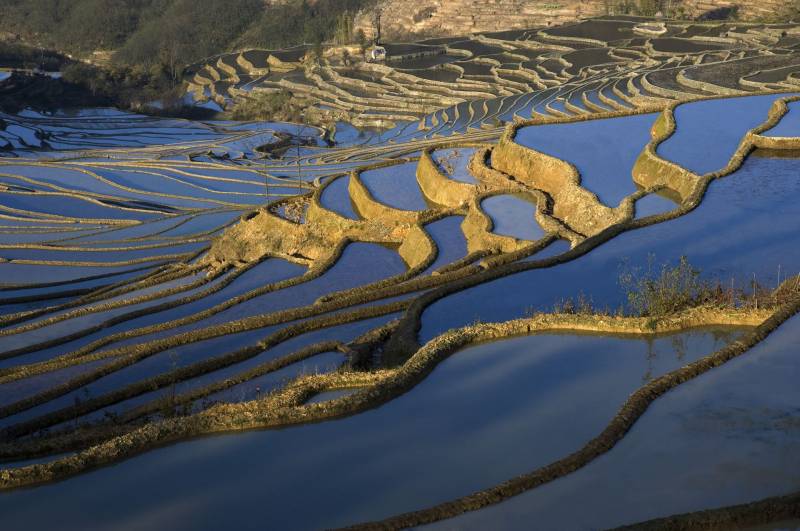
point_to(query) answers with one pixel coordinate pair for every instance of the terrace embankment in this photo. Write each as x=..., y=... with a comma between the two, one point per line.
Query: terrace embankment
x=482, y=80
x=402, y=18
x=262, y=233
x=197, y=364
x=284, y=408
x=576, y=206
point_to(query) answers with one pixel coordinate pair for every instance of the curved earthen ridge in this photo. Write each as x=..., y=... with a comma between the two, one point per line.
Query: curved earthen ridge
x=628, y=68
x=295, y=227
x=493, y=183
x=762, y=512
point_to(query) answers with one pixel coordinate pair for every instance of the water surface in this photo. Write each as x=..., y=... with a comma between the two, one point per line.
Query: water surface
x=476, y=420
x=728, y=437
x=709, y=131
x=513, y=216
x=604, y=151
x=396, y=186
x=745, y=226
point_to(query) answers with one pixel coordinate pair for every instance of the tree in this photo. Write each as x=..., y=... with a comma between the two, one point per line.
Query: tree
x=794, y=10
x=648, y=8
x=344, y=28
x=377, y=22
x=317, y=51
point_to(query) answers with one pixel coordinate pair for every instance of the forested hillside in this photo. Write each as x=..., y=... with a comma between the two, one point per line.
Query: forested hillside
x=171, y=31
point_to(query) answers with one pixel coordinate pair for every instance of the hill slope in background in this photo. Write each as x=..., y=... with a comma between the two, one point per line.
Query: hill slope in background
x=183, y=31
x=158, y=31
x=441, y=18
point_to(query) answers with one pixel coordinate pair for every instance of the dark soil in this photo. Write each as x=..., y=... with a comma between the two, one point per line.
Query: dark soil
x=676, y=45
x=596, y=29
x=43, y=93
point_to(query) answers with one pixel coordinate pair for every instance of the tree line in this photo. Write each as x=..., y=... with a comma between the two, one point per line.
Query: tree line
x=149, y=44
x=174, y=32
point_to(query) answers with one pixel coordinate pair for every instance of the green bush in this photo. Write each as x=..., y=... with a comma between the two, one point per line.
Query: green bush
x=267, y=106
x=177, y=32
x=126, y=86
x=664, y=291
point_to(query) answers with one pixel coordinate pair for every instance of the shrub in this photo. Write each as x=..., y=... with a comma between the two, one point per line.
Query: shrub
x=267, y=106
x=664, y=291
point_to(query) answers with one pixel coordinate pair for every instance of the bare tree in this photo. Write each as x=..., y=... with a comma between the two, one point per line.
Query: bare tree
x=303, y=127
x=377, y=24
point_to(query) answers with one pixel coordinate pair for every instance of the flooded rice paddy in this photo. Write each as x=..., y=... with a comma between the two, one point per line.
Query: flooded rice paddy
x=476, y=419
x=162, y=281
x=717, y=441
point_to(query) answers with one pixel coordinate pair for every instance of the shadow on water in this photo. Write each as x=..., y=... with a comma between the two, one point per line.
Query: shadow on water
x=745, y=227
x=730, y=436
x=476, y=420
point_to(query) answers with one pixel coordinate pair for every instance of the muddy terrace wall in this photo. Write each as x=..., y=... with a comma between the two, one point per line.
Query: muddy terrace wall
x=390, y=384
x=385, y=385
x=748, y=9
x=402, y=18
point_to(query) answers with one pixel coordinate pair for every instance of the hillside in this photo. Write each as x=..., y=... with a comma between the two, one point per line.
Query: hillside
x=170, y=31
x=441, y=18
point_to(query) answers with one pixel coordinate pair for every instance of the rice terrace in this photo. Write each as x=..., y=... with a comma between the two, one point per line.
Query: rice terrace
x=534, y=277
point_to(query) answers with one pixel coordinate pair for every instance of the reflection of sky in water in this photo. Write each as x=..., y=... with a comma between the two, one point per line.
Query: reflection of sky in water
x=336, y=197
x=361, y=263
x=265, y=273
x=728, y=437
x=454, y=162
x=476, y=420
x=513, y=216
x=33, y=274
x=395, y=186
x=653, y=204
x=745, y=225
x=449, y=240
x=709, y=131
x=789, y=124
x=604, y=151
x=261, y=385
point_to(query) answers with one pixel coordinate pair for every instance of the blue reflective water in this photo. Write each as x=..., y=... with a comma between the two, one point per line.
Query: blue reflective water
x=604, y=151
x=653, y=204
x=14, y=274
x=336, y=197
x=396, y=186
x=789, y=126
x=449, y=239
x=709, y=131
x=267, y=272
x=746, y=225
x=454, y=163
x=513, y=216
x=728, y=437
x=260, y=385
x=476, y=420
